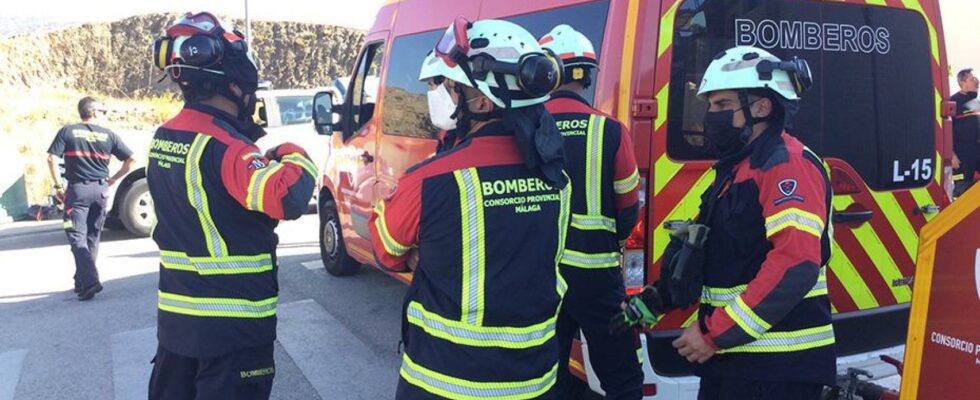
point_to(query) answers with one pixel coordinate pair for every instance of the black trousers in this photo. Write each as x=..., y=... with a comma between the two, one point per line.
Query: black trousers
x=740, y=389
x=593, y=297
x=245, y=374
x=969, y=155
x=85, y=210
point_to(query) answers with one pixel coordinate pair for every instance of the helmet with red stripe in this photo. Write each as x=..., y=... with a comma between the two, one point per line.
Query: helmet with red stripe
x=574, y=48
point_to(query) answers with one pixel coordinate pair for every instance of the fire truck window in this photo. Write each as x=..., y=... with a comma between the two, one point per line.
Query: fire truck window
x=589, y=18
x=872, y=104
x=364, y=90
x=406, y=110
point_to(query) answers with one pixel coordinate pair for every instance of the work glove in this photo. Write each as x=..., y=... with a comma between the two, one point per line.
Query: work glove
x=280, y=151
x=684, y=270
x=641, y=309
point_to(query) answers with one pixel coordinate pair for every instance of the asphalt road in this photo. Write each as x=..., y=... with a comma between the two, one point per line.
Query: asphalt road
x=338, y=337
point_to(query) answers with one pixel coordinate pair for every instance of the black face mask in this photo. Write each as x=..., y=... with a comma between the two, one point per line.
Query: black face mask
x=720, y=137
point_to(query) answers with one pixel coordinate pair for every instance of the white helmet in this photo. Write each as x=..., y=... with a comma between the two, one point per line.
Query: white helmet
x=746, y=67
x=495, y=49
x=571, y=46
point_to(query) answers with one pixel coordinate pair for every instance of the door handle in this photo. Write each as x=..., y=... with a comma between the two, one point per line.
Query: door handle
x=367, y=157
x=852, y=216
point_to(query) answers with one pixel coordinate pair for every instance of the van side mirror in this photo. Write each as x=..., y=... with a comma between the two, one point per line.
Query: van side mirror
x=261, y=116
x=323, y=113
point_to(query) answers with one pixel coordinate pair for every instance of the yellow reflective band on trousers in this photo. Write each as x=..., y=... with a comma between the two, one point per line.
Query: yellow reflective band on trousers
x=303, y=162
x=460, y=389
x=628, y=183
x=721, y=297
x=586, y=260
x=474, y=245
x=199, y=197
x=480, y=336
x=216, y=307
x=256, y=186
x=593, y=165
x=783, y=342
x=794, y=218
x=68, y=224
x=391, y=245
x=593, y=223
x=228, y=265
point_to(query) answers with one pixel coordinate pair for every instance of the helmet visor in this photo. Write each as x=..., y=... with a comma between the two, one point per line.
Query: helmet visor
x=454, y=44
x=192, y=24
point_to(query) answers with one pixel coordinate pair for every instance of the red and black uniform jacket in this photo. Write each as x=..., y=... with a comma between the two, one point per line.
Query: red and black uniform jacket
x=484, y=299
x=600, y=161
x=217, y=201
x=765, y=304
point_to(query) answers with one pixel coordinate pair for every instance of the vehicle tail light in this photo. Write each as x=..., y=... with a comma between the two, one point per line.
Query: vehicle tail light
x=634, y=254
x=842, y=182
x=649, y=390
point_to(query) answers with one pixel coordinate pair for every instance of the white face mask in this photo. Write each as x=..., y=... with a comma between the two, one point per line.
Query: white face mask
x=442, y=108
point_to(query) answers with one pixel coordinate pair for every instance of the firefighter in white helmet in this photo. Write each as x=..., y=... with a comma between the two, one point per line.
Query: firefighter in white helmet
x=755, y=257
x=600, y=161
x=488, y=219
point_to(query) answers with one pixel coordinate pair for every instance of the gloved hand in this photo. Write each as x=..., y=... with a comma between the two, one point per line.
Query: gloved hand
x=685, y=269
x=640, y=309
x=278, y=152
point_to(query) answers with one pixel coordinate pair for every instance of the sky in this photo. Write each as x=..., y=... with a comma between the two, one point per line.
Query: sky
x=961, y=18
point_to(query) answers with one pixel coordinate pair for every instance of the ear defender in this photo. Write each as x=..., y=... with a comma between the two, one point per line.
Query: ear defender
x=162, y=49
x=201, y=51
x=539, y=74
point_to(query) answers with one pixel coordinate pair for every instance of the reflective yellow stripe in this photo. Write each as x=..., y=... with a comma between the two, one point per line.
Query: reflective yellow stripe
x=626, y=66
x=68, y=224
x=563, y=221
x=455, y=388
x=303, y=162
x=585, y=260
x=199, y=197
x=391, y=245
x=480, y=336
x=794, y=218
x=876, y=250
x=593, y=165
x=746, y=318
x=690, y=320
x=848, y=276
x=593, y=223
x=922, y=199
x=627, y=184
x=898, y=220
x=216, y=307
x=256, y=186
x=782, y=342
x=933, y=37
x=721, y=297
x=227, y=265
x=474, y=241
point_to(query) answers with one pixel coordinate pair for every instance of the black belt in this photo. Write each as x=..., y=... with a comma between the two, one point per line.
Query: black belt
x=85, y=182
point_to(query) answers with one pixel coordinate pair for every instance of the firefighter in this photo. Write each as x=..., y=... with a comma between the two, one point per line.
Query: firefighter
x=756, y=255
x=600, y=161
x=487, y=219
x=217, y=201
x=86, y=148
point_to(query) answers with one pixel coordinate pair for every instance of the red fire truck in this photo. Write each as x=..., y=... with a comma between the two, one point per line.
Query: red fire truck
x=876, y=114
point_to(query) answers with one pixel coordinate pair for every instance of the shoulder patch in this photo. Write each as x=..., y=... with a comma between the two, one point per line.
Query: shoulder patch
x=787, y=187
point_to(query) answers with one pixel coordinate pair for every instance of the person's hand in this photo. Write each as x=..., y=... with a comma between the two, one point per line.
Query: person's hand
x=111, y=182
x=692, y=346
x=413, y=259
x=956, y=161
x=60, y=194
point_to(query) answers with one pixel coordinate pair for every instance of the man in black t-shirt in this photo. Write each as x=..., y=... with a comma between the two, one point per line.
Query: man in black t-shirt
x=86, y=148
x=966, y=131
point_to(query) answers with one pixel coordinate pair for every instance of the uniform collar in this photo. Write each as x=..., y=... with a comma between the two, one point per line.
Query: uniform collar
x=221, y=115
x=567, y=94
x=496, y=128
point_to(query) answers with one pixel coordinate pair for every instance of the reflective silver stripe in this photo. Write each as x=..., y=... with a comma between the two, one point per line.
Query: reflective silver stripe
x=627, y=184
x=593, y=165
x=199, y=198
x=474, y=237
x=456, y=388
x=744, y=318
x=257, y=186
x=586, y=260
x=794, y=217
x=216, y=307
x=216, y=265
x=723, y=296
x=479, y=336
x=775, y=342
x=590, y=223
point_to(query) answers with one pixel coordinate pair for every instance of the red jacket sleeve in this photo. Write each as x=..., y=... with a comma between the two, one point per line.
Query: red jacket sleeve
x=394, y=225
x=280, y=189
x=626, y=184
x=793, y=196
